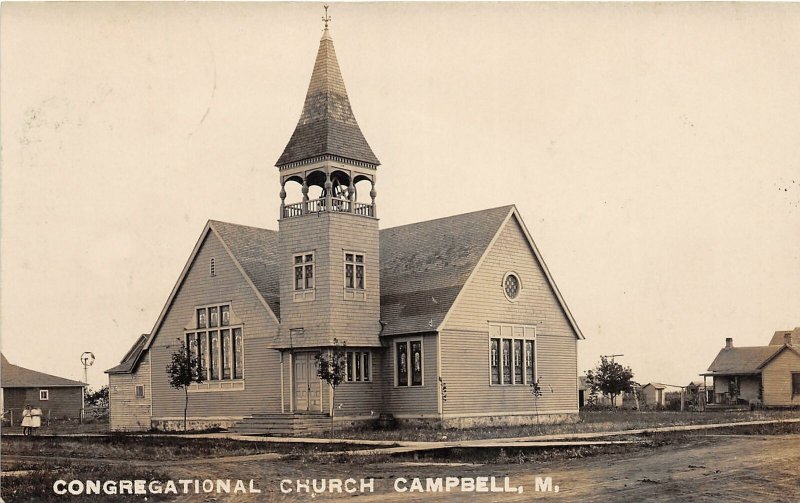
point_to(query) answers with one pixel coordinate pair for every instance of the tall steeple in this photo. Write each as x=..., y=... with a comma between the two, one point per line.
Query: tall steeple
x=327, y=126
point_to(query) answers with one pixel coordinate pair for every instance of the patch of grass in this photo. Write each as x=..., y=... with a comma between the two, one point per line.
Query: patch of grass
x=129, y=447
x=38, y=485
x=589, y=421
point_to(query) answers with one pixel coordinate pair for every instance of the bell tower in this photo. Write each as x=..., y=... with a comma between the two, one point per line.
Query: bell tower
x=328, y=233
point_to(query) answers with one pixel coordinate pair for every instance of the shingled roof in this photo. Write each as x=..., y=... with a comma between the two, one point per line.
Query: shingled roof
x=14, y=376
x=327, y=125
x=745, y=360
x=256, y=250
x=425, y=265
x=780, y=337
x=131, y=358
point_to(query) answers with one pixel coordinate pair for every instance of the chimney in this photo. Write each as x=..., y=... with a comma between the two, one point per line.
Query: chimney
x=728, y=342
x=787, y=338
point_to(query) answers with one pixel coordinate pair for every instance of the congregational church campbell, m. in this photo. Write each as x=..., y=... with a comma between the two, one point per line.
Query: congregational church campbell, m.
x=463, y=302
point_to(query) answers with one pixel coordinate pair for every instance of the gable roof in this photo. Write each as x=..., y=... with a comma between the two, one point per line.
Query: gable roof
x=131, y=358
x=327, y=125
x=14, y=376
x=424, y=266
x=776, y=353
x=256, y=250
x=254, y=253
x=778, y=337
x=744, y=360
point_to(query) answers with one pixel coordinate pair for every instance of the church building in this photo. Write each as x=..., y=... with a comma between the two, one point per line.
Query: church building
x=449, y=320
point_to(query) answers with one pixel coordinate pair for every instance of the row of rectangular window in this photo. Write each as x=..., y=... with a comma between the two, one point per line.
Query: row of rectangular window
x=353, y=271
x=359, y=366
x=512, y=361
x=219, y=352
x=210, y=316
x=409, y=363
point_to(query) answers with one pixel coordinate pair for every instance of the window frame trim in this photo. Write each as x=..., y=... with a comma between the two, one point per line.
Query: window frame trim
x=396, y=371
x=345, y=252
x=46, y=395
x=525, y=337
x=207, y=349
x=351, y=361
x=136, y=392
x=303, y=265
x=792, y=375
x=519, y=286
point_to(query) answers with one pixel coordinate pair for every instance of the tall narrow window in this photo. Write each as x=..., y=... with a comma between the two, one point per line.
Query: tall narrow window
x=402, y=363
x=358, y=365
x=365, y=367
x=354, y=270
x=494, y=360
x=214, y=350
x=795, y=383
x=350, y=367
x=202, y=353
x=506, y=361
x=416, y=363
x=226, y=354
x=304, y=271
x=226, y=315
x=518, y=361
x=201, y=318
x=213, y=316
x=529, y=362
x=238, y=363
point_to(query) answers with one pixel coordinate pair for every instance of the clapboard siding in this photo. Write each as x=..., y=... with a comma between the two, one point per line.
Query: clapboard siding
x=465, y=334
x=363, y=398
x=126, y=411
x=63, y=402
x=412, y=401
x=261, y=364
x=329, y=315
x=777, y=380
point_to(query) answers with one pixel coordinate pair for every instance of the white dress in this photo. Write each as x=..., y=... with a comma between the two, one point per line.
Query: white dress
x=27, y=418
x=36, y=417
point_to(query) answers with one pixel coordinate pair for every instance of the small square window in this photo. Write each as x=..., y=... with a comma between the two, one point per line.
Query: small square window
x=140, y=391
x=44, y=394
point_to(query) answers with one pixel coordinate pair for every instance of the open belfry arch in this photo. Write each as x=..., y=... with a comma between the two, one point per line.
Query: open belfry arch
x=464, y=301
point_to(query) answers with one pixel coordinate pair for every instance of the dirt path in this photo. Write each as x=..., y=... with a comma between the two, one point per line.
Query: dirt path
x=710, y=469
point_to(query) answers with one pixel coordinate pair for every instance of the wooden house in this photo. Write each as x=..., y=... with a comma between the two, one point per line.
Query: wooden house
x=758, y=375
x=445, y=320
x=57, y=397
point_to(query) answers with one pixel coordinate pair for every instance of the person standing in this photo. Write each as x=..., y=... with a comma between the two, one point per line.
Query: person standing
x=27, y=420
x=36, y=419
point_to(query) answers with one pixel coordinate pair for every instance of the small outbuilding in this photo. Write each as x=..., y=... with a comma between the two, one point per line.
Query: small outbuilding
x=656, y=394
x=58, y=397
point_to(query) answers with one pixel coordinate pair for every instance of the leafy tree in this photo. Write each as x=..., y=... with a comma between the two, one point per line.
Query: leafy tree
x=331, y=368
x=97, y=398
x=184, y=369
x=610, y=378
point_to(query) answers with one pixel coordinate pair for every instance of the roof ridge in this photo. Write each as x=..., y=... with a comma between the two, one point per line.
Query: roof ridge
x=241, y=225
x=509, y=206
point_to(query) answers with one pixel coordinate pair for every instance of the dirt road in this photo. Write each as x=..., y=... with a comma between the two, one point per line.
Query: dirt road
x=709, y=469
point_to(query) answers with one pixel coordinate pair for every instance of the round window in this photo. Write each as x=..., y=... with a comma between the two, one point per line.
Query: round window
x=511, y=286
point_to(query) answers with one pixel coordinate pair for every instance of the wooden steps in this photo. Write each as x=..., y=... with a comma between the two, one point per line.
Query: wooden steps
x=286, y=425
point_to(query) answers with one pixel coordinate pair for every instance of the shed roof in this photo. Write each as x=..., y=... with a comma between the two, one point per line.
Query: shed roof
x=14, y=376
x=327, y=125
x=744, y=360
x=131, y=358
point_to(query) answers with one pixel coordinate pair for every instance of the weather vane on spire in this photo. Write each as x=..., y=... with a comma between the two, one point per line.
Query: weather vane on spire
x=326, y=18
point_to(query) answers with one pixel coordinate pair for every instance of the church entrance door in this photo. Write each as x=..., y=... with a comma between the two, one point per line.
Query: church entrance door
x=307, y=386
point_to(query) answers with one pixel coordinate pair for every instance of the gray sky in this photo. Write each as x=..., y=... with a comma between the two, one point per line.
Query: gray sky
x=652, y=151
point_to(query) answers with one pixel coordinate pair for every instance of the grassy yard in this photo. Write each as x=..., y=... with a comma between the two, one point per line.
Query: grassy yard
x=130, y=447
x=37, y=485
x=589, y=421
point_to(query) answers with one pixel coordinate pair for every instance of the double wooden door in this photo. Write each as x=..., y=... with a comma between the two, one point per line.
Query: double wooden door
x=307, y=386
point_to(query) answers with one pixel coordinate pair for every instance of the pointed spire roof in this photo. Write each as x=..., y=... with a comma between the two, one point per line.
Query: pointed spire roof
x=327, y=125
